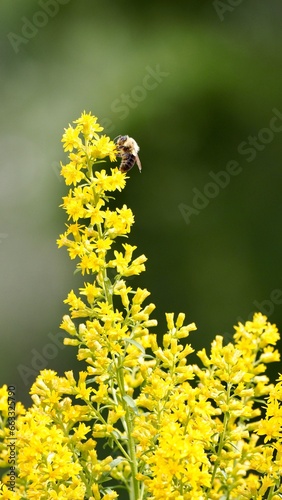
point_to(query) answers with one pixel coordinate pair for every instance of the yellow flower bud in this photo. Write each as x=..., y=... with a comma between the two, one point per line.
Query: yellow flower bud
x=169, y=320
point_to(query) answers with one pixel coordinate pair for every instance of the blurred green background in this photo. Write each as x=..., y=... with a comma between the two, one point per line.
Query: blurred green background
x=198, y=85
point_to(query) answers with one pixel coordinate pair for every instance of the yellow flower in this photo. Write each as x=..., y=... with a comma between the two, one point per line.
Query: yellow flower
x=68, y=325
x=110, y=496
x=4, y=400
x=90, y=262
x=71, y=174
x=104, y=182
x=87, y=124
x=91, y=291
x=74, y=205
x=82, y=391
x=103, y=147
x=71, y=138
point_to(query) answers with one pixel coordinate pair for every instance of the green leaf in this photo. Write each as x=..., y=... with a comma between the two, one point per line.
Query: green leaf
x=117, y=461
x=133, y=342
x=131, y=403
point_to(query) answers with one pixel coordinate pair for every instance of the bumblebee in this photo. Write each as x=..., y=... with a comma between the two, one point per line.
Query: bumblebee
x=128, y=152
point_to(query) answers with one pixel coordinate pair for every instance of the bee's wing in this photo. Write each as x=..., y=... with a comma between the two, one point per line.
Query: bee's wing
x=138, y=163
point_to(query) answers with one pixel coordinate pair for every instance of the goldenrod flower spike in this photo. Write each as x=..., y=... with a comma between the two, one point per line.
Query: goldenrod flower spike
x=138, y=421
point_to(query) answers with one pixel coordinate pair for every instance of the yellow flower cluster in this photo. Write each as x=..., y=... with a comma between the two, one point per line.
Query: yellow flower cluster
x=169, y=429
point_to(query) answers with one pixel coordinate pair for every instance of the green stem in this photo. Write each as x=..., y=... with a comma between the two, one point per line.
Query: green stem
x=271, y=492
x=134, y=491
x=221, y=440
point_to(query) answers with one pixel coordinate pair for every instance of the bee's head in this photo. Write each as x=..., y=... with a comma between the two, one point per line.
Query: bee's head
x=120, y=139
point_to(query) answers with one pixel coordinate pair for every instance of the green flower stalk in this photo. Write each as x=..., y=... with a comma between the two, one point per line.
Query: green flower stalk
x=168, y=429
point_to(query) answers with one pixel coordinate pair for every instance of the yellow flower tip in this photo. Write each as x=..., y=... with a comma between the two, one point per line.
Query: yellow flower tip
x=70, y=378
x=270, y=356
x=71, y=138
x=95, y=491
x=4, y=400
x=185, y=330
x=191, y=327
x=72, y=342
x=110, y=496
x=140, y=295
x=180, y=320
x=170, y=320
x=204, y=358
x=150, y=323
x=88, y=124
x=68, y=325
x=71, y=174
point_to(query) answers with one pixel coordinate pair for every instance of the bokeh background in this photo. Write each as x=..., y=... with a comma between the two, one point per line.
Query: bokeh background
x=198, y=85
